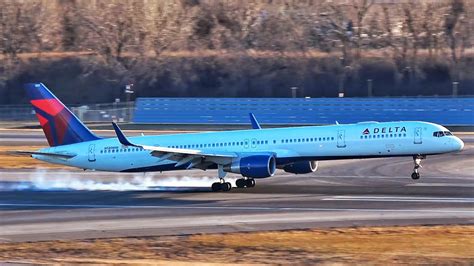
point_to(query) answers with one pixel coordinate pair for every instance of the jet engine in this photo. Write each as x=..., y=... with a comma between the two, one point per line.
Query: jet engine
x=304, y=167
x=254, y=166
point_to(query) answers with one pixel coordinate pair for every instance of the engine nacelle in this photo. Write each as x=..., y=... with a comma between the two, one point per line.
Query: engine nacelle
x=301, y=167
x=254, y=166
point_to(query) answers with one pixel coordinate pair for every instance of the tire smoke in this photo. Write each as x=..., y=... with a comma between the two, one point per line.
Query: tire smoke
x=41, y=180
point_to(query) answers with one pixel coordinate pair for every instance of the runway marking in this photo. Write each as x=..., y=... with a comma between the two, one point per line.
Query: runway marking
x=98, y=206
x=439, y=185
x=399, y=199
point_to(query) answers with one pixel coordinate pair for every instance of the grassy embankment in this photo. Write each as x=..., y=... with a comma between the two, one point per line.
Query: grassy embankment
x=372, y=245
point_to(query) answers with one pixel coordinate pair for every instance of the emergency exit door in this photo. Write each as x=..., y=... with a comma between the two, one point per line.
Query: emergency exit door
x=92, y=153
x=418, y=139
x=341, y=139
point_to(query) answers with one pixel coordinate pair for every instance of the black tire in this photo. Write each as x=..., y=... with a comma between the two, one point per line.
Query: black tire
x=415, y=176
x=216, y=187
x=226, y=186
x=250, y=183
x=240, y=183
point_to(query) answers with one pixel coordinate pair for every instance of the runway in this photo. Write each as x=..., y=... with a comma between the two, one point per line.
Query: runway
x=42, y=205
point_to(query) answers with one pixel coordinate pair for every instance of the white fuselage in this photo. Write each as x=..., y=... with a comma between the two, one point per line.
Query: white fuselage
x=292, y=144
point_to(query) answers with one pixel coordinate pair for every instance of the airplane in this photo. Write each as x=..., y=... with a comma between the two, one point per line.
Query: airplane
x=254, y=153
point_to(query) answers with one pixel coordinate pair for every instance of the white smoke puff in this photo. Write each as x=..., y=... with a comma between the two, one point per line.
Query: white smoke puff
x=43, y=180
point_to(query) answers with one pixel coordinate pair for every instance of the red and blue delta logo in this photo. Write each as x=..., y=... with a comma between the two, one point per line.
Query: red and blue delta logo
x=366, y=132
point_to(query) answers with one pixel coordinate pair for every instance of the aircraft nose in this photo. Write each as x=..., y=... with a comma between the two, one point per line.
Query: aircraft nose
x=458, y=144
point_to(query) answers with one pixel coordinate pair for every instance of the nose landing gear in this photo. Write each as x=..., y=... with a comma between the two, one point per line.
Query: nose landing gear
x=417, y=161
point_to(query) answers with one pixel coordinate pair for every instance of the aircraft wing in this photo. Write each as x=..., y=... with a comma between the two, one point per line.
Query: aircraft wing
x=195, y=158
x=253, y=120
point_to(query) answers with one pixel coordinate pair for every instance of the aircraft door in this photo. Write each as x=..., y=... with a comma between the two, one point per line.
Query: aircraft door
x=92, y=153
x=418, y=139
x=341, y=139
x=254, y=143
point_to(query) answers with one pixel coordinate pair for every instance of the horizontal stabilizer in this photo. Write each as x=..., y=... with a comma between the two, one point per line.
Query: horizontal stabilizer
x=31, y=153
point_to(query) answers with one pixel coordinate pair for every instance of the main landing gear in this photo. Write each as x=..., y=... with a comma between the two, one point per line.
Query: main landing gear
x=222, y=185
x=243, y=182
x=417, y=161
x=226, y=186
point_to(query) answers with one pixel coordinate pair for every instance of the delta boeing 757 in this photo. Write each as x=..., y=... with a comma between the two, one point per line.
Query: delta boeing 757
x=254, y=153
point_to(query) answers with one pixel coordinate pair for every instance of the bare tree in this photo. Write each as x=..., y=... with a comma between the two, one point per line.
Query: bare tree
x=362, y=8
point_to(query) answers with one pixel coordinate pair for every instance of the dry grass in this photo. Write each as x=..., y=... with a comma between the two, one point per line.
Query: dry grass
x=371, y=245
x=8, y=161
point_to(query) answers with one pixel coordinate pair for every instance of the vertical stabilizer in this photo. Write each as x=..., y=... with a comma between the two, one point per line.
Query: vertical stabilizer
x=59, y=124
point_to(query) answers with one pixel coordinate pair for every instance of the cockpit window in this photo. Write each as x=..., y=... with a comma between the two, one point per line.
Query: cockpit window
x=439, y=134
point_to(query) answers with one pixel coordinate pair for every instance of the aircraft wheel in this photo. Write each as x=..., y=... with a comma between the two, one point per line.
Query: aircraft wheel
x=250, y=182
x=226, y=186
x=415, y=176
x=216, y=187
x=241, y=183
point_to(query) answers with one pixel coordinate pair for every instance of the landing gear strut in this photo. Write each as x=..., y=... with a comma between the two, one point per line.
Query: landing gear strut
x=245, y=182
x=221, y=185
x=417, y=161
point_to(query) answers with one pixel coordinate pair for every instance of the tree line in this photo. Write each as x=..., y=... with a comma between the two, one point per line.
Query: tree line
x=90, y=49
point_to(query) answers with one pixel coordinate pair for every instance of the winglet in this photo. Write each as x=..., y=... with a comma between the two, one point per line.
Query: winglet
x=253, y=120
x=121, y=137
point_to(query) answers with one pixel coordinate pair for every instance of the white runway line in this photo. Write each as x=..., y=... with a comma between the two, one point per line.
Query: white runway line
x=243, y=208
x=439, y=185
x=399, y=199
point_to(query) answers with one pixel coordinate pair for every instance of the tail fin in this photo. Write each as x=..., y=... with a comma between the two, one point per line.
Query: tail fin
x=59, y=124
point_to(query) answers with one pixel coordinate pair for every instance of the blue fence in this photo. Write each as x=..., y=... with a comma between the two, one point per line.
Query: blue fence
x=445, y=111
